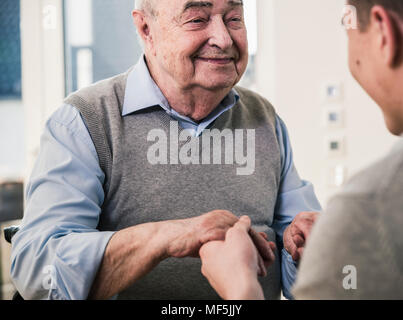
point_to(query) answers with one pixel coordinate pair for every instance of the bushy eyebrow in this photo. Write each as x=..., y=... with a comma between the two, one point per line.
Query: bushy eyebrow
x=208, y=4
x=197, y=4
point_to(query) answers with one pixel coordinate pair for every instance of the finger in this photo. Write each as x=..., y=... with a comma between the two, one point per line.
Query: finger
x=295, y=256
x=262, y=267
x=270, y=261
x=262, y=245
x=266, y=249
x=213, y=235
x=305, y=226
x=208, y=249
x=264, y=235
x=219, y=219
x=300, y=251
x=244, y=223
x=295, y=229
x=290, y=246
x=299, y=241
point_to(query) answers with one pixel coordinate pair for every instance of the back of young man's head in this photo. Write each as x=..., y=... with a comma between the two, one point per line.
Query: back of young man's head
x=376, y=55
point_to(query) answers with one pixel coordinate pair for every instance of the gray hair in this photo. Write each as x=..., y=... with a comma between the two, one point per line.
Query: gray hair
x=144, y=5
x=139, y=4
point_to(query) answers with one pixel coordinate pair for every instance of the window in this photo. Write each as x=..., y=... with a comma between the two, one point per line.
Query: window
x=11, y=111
x=10, y=49
x=248, y=80
x=100, y=40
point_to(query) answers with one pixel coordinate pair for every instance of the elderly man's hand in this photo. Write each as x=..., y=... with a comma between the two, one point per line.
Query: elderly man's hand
x=232, y=266
x=297, y=233
x=188, y=235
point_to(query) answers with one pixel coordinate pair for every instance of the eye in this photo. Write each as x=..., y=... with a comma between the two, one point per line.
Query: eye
x=197, y=21
x=235, y=20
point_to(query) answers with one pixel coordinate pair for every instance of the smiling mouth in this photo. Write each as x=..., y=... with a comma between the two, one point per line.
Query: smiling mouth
x=218, y=61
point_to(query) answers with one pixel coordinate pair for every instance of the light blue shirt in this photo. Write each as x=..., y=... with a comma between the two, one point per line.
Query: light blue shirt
x=57, y=252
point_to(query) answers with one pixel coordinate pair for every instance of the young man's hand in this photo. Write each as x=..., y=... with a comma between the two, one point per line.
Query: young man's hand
x=232, y=266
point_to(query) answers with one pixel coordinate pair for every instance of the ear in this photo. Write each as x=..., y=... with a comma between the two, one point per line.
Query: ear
x=142, y=25
x=386, y=33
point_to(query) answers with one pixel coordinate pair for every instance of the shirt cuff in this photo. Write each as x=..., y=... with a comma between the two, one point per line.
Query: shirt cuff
x=64, y=269
x=78, y=263
x=289, y=273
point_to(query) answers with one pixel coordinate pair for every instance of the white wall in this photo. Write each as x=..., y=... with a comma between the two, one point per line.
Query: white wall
x=42, y=68
x=12, y=148
x=302, y=45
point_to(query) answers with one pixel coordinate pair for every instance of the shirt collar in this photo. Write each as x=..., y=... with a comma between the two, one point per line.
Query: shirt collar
x=142, y=92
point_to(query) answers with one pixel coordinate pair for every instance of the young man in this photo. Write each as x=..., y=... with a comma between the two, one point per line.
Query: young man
x=355, y=248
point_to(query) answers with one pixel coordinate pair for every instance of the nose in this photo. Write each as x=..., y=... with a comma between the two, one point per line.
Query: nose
x=219, y=35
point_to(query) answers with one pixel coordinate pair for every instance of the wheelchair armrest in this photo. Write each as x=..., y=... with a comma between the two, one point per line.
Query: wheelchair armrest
x=10, y=232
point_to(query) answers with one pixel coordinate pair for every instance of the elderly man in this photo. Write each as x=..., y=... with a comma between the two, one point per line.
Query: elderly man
x=355, y=251
x=112, y=203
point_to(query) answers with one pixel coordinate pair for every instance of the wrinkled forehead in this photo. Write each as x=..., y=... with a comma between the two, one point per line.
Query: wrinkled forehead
x=181, y=6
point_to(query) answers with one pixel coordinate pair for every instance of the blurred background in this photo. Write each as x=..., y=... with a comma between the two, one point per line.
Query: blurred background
x=298, y=60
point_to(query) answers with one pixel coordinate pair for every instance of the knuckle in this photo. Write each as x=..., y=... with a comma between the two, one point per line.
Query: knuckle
x=225, y=213
x=202, y=252
x=204, y=270
x=232, y=232
x=213, y=235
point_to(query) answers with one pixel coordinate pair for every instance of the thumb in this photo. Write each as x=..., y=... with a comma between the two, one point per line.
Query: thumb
x=244, y=223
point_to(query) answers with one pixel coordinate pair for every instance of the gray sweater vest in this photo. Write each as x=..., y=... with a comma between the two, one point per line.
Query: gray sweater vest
x=138, y=192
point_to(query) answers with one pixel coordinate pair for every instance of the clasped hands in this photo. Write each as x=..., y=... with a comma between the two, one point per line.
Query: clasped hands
x=232, y=253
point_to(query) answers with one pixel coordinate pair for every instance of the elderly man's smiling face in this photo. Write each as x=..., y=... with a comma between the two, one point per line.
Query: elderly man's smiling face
x=198, y=43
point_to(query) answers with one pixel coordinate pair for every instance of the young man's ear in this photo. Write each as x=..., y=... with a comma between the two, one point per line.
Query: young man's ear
x=387, y=35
